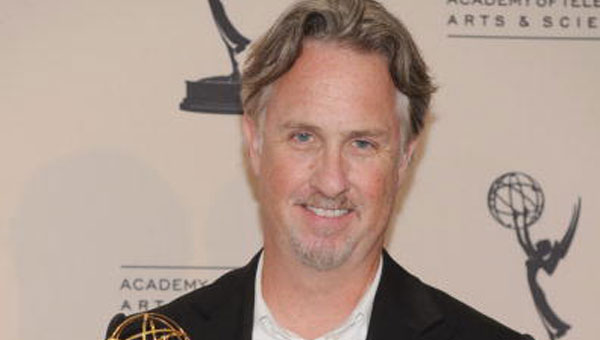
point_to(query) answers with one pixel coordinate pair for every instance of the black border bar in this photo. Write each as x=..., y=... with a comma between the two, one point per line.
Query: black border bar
x=520, y=37
x=177, y=267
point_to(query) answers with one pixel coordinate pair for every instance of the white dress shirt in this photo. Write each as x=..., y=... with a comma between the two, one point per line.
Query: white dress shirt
x=355, y=327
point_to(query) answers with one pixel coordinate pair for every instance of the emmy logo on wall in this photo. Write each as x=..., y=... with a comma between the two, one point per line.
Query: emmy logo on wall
x=516, y=201
x=219, y=94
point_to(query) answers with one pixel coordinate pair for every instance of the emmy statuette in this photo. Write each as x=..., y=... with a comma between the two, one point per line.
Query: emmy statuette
x=148, y=326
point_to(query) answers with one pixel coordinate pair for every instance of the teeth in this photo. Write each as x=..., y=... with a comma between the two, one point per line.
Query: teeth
x=328, y=212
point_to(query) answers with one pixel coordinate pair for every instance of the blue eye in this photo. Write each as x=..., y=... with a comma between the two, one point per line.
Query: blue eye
x=302, y=137
x=363, y=144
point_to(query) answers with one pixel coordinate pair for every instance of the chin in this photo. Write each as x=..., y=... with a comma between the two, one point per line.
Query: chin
x=322, y=253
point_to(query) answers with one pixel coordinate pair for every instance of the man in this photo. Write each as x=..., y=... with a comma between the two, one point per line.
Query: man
x=335, y=95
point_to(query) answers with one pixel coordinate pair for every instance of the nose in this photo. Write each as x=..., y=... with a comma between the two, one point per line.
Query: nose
x=329, y=176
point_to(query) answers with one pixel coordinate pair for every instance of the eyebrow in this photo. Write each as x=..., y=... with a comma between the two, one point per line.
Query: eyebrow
x=373, y=133
x=292, y=125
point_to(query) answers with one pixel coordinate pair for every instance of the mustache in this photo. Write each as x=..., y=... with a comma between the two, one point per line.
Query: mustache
x=322, y=201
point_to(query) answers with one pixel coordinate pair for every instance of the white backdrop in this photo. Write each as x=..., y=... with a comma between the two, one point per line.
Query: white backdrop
x=111, y=198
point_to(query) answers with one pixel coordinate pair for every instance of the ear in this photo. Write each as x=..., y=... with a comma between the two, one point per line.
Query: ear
x=406, y=158
x=251, y=142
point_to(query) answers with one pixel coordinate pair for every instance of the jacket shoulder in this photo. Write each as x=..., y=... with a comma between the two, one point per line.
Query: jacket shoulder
x=427, y=312
x=469, y=323
x=203, y=300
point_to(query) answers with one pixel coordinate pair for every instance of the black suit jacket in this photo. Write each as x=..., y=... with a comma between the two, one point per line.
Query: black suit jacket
x=404, y=309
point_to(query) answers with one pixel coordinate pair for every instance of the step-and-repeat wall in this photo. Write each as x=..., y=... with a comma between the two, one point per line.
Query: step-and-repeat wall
x=115, y=199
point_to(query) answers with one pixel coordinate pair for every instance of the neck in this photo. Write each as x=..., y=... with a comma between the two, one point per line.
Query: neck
x=311, y=302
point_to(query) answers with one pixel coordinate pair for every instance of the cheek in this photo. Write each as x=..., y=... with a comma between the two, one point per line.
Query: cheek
x=284, y=173
x=376, y=182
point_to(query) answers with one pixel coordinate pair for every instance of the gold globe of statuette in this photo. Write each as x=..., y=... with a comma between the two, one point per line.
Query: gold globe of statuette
x=149, y=326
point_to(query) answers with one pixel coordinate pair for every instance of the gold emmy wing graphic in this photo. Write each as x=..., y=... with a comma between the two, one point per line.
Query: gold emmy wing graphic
x=150, y=326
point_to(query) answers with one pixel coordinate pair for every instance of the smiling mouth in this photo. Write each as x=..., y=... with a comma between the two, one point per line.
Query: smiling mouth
x=328, y=213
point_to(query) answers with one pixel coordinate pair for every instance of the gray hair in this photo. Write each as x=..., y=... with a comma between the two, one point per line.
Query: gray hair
x=364, y=25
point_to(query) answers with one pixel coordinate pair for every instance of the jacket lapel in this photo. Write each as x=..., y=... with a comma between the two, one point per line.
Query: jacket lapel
x=404, y=308
x=226, y=312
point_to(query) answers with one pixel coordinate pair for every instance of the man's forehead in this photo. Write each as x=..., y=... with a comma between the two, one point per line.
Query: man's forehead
x=329, y=76
x=329, y=60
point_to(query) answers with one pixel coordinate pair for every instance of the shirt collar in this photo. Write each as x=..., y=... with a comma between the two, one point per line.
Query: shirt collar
x=360, y=316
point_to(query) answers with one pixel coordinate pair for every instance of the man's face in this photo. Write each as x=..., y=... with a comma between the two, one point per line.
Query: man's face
x=328, y=160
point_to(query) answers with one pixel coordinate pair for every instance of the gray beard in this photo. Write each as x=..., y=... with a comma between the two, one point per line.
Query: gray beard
x=319, y=256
